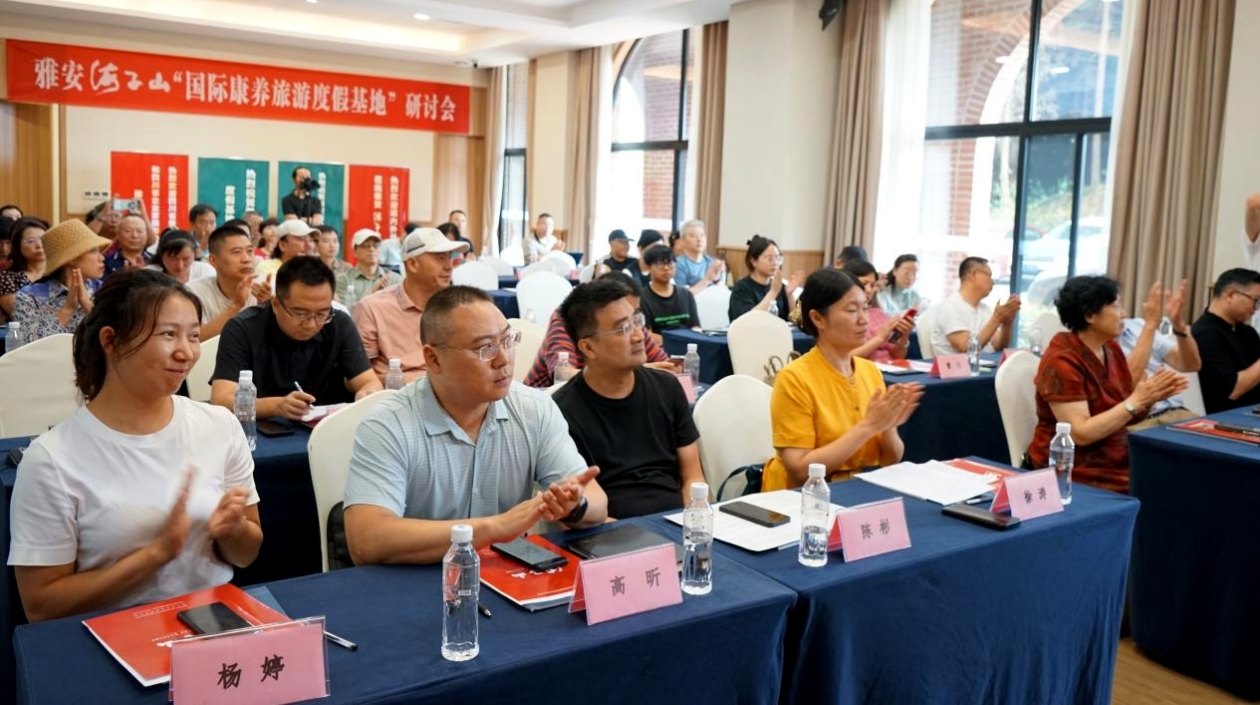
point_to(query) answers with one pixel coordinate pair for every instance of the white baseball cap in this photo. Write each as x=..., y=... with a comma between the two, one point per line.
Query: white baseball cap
x=293, y=226
x=423, y=241
x=363, y=235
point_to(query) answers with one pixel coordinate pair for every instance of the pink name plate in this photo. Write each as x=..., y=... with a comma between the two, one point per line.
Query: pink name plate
x=271, y=665
x=870, y=529
x=1029, y=495
x=951, y=366
x=626, y=584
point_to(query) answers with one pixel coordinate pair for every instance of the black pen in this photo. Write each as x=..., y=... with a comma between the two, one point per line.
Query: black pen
x=485, y=611
x=343, y=643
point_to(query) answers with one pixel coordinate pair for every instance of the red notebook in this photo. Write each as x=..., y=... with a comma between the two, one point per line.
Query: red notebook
x=140, y=637
x=533, y=591
x=982, y=469
x=1208, y=427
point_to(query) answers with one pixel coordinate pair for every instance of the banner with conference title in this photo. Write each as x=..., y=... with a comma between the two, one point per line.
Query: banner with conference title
x=159, y=180
x=107, y=78
x=378, y=199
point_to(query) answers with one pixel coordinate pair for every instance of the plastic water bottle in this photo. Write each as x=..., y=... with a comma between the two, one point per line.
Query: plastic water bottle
x=691, y=363
x=1062, y=456
x=529, y=315
x=246, y=407
x=973, y=353
x=461, y=583
x=774, y=308
x=394, y=376
x=815, y=513
x=563, y=371
x=697, y=572
x=15, y=337
x=350, y=298
x=1035, y=341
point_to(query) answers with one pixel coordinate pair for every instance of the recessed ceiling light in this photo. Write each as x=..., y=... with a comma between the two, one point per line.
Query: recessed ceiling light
x=312, y=1
x=420, y=16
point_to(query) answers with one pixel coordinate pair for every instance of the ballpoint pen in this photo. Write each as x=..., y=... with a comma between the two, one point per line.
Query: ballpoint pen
x=485, y=611
x=339, y=641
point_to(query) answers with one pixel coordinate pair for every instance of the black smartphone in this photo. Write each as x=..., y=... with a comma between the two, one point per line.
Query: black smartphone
x=213, y=618
x=273, y=429
x=983, y=517
x=755, y=514
x=530, y=555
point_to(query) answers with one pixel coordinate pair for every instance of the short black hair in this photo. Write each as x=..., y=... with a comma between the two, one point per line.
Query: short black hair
x=199, y=210
x=543, y=215
x=631, y=283
x=1236, y=278
x=323, y=229
x=173, y=242
x=221, y=233
x=858, y=268
x=583, y=304
x=757, y=247
x=14, y=206
x=270, y=222
x=95, y=212
x=16, y=259
x=239, y=224
x=1084, y=296
x=456, y=211
x=822, y=289
x=850, y=253
x=306, y=270
x=434, y=328
x=128, y=302
x=409, y=227
x=450, y=230
x=969, y=265
x=658, y=255
x=298, y=168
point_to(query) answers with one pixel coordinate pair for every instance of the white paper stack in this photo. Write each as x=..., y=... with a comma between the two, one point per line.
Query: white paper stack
x=933, y=481
x=731, y=529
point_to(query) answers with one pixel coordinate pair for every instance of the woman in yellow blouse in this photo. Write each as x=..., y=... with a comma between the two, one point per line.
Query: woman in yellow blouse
x=830, y=406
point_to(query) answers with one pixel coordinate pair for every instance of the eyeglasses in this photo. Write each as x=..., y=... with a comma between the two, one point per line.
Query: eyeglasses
x=489, y=351
x=668, y=264
x=319, y=318
x=624, y=329
x=1255, y=300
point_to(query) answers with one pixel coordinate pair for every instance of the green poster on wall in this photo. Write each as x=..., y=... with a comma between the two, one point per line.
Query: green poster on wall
x=332, y=190
x=234, y=186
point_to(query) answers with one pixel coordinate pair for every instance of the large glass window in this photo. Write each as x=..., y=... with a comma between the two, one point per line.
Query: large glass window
x=1016, y=150
x=514, y=214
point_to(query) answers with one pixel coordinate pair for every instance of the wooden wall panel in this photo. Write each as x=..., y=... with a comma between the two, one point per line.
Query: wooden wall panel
x=793, y=261
x=459, y=182
x=27, y=137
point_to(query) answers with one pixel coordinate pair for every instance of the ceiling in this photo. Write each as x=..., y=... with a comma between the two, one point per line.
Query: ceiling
x=480, y=32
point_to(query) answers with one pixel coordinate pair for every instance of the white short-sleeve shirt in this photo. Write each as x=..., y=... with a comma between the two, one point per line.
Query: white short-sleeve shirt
x=954, y=314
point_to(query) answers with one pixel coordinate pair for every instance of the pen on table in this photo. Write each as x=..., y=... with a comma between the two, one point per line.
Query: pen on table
x=987, y=497
x=343, y=643
x=485, y=611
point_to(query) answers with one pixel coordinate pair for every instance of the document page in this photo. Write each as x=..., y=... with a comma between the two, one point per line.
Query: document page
x=934, y=481
x=754, y=537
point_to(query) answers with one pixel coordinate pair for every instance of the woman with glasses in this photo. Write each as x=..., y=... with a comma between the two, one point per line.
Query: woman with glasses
x=764, y=288
x=881, y=325
x=1084, y=379
x=72, y=273
x=27, y=261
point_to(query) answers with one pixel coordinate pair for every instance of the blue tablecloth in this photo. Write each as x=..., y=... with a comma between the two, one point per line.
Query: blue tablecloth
x=394, y=615
x=956, y=418
x=715, y=355
x=1196, y=553
x=505, y=300
x=967, y=615
x=507, y=281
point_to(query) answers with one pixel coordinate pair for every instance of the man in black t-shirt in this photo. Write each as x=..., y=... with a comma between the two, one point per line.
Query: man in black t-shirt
x=619, y=258
x=1228, y=346
x=301, y=203
x=665, y=304
x=631, y=421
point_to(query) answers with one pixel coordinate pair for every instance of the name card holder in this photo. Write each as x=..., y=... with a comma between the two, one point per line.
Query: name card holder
x=1006, y=354
x=1028, y=495
x=870, y=529
x=266, y=665
x=626, y=584
x=689, y=388
x=950, y=366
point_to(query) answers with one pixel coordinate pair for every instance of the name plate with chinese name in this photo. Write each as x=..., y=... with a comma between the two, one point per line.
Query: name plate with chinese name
x=1007, y=353
x=1029, y=495
x=870, y=529
x=951, y=366
x=271, y=665
x=626, y=584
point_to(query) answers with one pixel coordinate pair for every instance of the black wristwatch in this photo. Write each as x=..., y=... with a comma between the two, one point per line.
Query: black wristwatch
x=576, y=515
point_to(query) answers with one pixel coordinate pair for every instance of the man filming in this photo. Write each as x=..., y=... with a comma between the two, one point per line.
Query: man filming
x=302, y=203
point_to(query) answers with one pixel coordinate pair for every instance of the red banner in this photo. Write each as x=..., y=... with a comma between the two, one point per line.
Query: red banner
x=105, y=78
x=159, y=180
x=378, y=198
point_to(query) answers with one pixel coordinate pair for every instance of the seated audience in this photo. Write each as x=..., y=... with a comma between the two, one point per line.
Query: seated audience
x=202, y=220
x=850, y=253
x=27, y=258
x=764, y=288
x=139, y=495
x=880, y=326
x=176, y=255
x=367, y=276
x=541, y=239
x=232, y=289
x=73, y=267
x=254, y=220
x=616, y=397
x=665, y=304
x=1147, y=349
x=696, y=269
x=459, y=219
x=267, y=238
x=964, y=312
x=6, y=247
x=1228, y=345
x=452, y=232
x=294, y=240
x=1084, y=379
x=619, y=259
x=464, y=444
x=647, y=240
x=11, y=211
x=327, y=242
x=300, y=349
x=829, y=406
x=898, y=294
x=389, y=320
x=127, y=250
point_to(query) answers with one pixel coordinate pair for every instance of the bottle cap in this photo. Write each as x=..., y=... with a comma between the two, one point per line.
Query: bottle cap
x=461, y=533
x=1063, y=427
x=699, y=490
x=562, y=356
x=817, y=470
x=395, y=362
x=691, y=347
x=247, y=376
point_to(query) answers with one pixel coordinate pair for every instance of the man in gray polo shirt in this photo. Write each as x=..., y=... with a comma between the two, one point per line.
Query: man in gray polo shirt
x=464, y=444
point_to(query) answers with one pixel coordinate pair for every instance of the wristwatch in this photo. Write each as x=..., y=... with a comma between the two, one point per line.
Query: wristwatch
x=1128, y=406
x=576, y=515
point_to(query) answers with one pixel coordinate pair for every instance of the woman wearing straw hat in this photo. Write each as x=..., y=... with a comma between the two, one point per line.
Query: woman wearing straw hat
x=73, y=267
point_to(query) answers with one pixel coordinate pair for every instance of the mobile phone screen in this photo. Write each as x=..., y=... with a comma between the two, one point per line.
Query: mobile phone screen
x=213, y=618
x=530, y=555
x=755, y=514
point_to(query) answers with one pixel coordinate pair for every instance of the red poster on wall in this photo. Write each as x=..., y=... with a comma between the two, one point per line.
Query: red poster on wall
x=378, y=198
x=159, y=180
x=105, y=78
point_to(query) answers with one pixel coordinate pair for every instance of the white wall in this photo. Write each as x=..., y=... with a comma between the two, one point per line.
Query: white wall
x=1240, y=141
x=550, y=152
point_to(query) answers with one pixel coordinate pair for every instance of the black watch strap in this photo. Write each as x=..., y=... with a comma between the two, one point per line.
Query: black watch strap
x=578, y=512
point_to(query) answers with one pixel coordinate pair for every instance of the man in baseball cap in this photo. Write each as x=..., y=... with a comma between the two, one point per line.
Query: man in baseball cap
x=367, y=276
x=293, y=238
x=619, y=258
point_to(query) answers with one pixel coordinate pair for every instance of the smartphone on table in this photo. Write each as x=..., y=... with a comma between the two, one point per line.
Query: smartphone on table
x=530, y=555
x=214, y=618
x=757, y=515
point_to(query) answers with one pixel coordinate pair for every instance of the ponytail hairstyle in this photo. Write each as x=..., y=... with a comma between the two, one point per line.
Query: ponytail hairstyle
x=757, y=247
x=892, y=273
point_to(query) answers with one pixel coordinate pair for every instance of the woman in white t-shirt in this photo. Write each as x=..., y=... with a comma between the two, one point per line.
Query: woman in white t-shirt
x=139, y=495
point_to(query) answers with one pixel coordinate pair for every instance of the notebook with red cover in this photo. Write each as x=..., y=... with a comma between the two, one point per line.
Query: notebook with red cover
x=982, y=469
x=1208, y=427
x=140, y=637
x=533, y=591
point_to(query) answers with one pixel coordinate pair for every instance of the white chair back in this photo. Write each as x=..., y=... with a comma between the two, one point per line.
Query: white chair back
x=541, y=292
x=755, y=339
x=587, y=273
x=713, y=305
x=562, y=259
x=532, y=336
x=923, y=326
x=501, y=267
x=478, y=274
x=513, y=255
x=199, y=376
x=38, y=384
x=733, y=418
x=1017, y=401
x=1192, y=398
x=329, y=449
x=538, y=268
x=1047, y=324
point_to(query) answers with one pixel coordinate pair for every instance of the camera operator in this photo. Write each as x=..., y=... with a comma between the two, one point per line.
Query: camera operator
x=301, y=203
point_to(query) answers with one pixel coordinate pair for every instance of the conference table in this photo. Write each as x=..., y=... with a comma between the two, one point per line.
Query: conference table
x=715, y=352
x=1196, y=552
x=505, y=301
x=966, y=615
x=673, y=654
